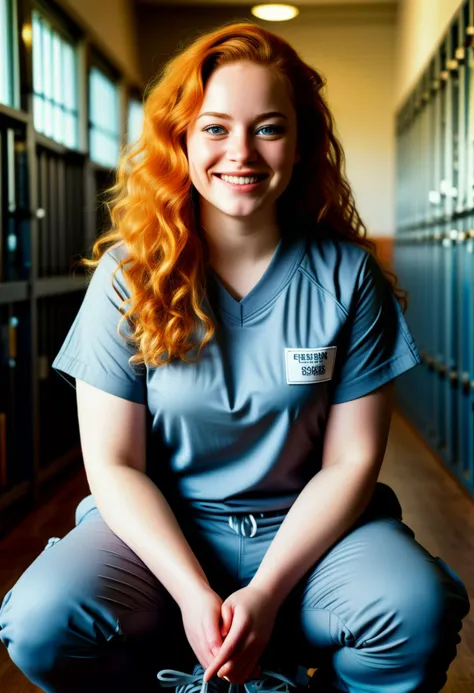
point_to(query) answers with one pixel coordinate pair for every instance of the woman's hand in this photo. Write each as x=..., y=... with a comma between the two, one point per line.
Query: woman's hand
x=248, y=617
x=201, y=614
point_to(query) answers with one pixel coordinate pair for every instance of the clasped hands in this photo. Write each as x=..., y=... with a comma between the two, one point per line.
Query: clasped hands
x=228, y=637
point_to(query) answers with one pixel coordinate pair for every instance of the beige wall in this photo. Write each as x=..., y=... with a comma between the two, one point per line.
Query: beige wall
x=112, y=24
x=421, y=24
x=354, y=49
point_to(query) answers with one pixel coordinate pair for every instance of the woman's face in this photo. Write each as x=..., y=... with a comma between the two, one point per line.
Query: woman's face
x=245, y=129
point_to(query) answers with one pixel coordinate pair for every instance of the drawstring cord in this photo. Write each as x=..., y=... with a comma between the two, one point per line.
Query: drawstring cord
x=240, y=525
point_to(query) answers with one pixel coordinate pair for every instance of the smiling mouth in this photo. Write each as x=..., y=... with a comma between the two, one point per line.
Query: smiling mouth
x=242, y=180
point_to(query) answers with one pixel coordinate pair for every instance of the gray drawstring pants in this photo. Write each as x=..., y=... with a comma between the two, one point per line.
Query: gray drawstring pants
x=377, y=612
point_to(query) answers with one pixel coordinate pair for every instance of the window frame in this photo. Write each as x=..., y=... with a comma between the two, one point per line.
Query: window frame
x=68, y=33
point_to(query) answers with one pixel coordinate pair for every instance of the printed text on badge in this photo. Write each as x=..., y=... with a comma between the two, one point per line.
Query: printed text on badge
x=309, y=365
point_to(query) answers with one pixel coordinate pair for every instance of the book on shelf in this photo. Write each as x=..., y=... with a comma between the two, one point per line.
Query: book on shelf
x=15, y=259
x=3, y=450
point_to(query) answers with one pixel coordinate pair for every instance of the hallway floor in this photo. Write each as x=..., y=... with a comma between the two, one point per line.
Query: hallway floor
x=434, y=506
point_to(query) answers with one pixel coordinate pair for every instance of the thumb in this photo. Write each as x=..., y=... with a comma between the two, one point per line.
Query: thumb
x=226, y=612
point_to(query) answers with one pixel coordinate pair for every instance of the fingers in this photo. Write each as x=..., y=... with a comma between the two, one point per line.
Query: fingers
x=243, y=669
x=230, y=644
x=243, y=665
x=226, y=613
x=212, y=640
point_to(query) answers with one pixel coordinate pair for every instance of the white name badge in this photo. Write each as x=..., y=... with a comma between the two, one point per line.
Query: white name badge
x=309, y=365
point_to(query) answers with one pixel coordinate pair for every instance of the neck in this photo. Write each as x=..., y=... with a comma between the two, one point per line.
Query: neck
x=236, y=240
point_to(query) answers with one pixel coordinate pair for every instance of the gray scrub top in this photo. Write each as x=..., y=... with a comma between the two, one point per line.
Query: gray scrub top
x=242, y=429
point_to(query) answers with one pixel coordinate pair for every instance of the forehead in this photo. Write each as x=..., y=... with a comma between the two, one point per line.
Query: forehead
x=245, y=86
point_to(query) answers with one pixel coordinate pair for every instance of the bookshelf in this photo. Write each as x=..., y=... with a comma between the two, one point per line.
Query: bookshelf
x=50, y=215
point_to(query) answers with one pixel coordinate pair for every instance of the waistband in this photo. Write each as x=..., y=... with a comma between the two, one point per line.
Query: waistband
x=243, y=523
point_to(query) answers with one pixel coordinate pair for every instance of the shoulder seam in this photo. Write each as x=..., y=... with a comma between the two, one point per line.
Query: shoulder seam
x=323, y=290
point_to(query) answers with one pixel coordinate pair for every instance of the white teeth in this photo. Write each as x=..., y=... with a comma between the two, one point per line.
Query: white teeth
x=240, y=180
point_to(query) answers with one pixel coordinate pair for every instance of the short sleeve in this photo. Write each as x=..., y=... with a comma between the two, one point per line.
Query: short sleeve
x=376, y=345
x=93, y=351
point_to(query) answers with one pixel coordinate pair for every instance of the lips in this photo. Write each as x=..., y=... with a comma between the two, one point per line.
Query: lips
x=260, y=176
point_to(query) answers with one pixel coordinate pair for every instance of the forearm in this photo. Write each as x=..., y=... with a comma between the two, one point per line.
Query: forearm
x=325, y=509
x=137, y=512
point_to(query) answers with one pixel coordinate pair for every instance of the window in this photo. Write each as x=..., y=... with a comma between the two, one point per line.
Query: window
x=55, y=90
x=8, y=91
x=104, y=119
x=135, y=120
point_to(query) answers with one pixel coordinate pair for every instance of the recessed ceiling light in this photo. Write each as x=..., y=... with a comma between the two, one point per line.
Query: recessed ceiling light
x=275, y=13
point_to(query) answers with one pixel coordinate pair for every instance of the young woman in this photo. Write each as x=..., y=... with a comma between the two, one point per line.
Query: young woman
x=234, y=415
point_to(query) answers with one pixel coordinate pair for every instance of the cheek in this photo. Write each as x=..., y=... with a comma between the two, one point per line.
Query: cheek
x=283, y=157
x=200, y=157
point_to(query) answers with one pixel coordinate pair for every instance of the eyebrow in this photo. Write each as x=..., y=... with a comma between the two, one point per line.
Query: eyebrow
x=262, y=116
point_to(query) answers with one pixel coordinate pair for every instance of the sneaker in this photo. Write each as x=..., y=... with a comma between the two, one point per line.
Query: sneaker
x=193, y=683
x=270, y=682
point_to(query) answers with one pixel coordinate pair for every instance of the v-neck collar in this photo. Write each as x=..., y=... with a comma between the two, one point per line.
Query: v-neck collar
x=285, y=260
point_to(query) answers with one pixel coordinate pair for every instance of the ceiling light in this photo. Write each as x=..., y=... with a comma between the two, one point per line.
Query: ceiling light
x=275, y=13
x=27, y=35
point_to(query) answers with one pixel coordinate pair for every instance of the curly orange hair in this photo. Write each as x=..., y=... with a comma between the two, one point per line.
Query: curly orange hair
x=152, y=207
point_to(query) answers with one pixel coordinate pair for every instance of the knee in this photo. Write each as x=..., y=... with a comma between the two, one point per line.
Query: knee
x=40, y=625
x=422, y=614
x=29, y=631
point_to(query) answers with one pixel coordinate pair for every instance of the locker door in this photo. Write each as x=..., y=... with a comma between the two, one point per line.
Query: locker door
x=439, y=316
x=448, y=91
x=432, y=311
x=444, y=268
x=468, y=466
x=468, y=269
x=450, y=345
x=465, y=350
x=464, y=249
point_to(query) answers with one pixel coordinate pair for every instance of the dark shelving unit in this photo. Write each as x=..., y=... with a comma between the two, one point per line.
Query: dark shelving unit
x=50, y=216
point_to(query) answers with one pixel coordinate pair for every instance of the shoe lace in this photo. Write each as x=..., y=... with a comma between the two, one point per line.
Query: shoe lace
x=188, y=683
x=265, y=683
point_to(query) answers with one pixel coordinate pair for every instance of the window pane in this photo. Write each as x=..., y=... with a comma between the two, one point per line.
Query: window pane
x=48, y=78
x=69, y=85
x=38, y=113
x=135, y=120
x=57, y=89
x=54, y=84
x=37, y=71
x=6, y=53
x=104, y=119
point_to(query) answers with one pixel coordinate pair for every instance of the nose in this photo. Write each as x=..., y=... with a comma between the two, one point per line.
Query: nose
x=241, y=147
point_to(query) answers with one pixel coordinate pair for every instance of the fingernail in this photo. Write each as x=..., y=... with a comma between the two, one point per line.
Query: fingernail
x=225, y=677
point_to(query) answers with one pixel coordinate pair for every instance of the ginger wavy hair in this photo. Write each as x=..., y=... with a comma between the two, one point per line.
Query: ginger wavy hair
x=153, y=205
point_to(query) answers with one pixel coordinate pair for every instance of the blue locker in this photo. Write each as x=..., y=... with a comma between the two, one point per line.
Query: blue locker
x=439, y=317
x=419, y=273
x=469, y=462
x=432, y=311
x=450, y=452
x=465, y=351
x=425, y=374
x=435, y=246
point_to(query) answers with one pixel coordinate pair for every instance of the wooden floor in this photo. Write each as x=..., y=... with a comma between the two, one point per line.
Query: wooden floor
x=434, y=506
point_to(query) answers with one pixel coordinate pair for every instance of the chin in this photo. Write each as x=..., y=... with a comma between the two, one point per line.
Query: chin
x=242, y=214
x=238, y=211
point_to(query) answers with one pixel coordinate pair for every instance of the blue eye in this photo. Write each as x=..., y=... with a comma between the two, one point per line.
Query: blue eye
x=275, y=129
x=213, y=127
